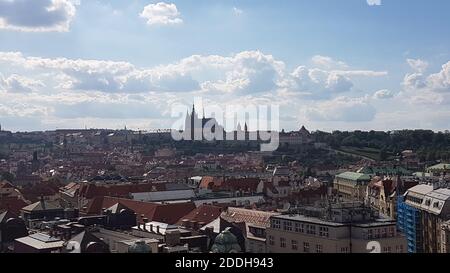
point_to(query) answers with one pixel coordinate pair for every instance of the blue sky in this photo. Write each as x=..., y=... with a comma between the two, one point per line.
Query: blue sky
x=329, y=64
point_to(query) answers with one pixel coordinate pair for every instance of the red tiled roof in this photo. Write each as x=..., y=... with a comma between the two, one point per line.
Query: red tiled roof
x=12, y=204
x=254, y=217
x=5, y=184
x=165, y=213
x=91, y=190
x=207, y=182
x=244, y=184
x=34, y=192
x=204, y=213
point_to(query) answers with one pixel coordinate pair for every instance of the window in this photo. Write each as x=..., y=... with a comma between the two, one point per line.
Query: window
x=387, y=249
x=283, y=242
x=391, y=232
x=319, y=249
x=376, y=234
x=310, y=229
x=344, y=249
x=299, y=227
x=294, y=245
x=288, y=225
x=323, y=232
x=370, y=234
x=383, y=233
x=306, y=247
x=271, y=240
x=276, y=223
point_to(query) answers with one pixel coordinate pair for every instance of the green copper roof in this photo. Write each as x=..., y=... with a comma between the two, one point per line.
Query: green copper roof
x=354, y=176
x=441, y=166
x=384, y=170
x=139, y=247
x=226, y=242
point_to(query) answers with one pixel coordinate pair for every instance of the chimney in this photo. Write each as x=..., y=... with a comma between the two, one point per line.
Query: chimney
x=150, y=228
x=144, y=223
x=42, y=202
x=157, y=229
x=173, y=237
x=194, y=225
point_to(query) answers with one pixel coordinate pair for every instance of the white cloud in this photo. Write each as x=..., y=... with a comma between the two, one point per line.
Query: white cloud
x=383, y=94
x=123, y=91
x=19, y=84
x=417, y=65
x=161, y=14
x=437, y=82
x=328, y=63
x=237, y=11
x=341, y=109
x=414, y=81
x=374, y=2
x=105, y=76
x=37, y=15
x=440, y=82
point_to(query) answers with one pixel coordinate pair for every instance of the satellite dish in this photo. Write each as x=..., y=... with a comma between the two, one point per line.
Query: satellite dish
x=73, y=247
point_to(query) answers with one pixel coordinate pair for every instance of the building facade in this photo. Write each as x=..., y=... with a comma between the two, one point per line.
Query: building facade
x=352, y=185
x=296, y=233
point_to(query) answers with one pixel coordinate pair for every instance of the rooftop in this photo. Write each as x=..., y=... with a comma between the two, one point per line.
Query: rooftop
x=354, y=176
x=41, y=241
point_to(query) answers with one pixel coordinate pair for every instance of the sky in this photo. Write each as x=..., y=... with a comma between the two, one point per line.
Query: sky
x=327, y=64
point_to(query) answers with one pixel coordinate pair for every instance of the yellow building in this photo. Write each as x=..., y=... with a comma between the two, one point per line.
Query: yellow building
x=352, y=185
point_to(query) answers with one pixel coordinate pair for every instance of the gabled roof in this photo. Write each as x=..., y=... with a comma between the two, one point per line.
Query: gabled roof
x=117, y=208
x=86, y=238
x=4, y=216
x=165, y=213
x=42, y=206
x=202, y=214
x=248, y=216
x=5, y=184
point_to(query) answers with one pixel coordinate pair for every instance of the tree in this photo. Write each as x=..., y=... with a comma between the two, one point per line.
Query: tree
x=7, y=176
x=383, y=154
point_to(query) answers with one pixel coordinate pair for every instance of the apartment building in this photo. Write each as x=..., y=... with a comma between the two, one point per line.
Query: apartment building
x=434, y=206
x=340, y=229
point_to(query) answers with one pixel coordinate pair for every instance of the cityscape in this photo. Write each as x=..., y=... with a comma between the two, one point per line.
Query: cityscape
x=106, y=147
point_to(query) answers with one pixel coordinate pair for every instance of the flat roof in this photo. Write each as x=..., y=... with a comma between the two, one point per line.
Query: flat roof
x=318, y=221
x=306, y=219
x=354, y=176
x=41, y=241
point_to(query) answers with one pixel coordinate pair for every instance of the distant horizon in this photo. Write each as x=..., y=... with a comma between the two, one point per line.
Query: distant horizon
x=154, y=130
x=330, y=65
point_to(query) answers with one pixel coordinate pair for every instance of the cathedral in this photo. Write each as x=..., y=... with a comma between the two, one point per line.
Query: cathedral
x=193, y=126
